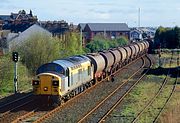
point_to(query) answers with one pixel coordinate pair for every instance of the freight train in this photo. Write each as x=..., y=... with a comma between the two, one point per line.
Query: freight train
x=63, y=79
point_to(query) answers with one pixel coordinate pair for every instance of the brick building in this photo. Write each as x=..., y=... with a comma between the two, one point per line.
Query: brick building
x=108, y=30
x=17, y=22
x=57, y=28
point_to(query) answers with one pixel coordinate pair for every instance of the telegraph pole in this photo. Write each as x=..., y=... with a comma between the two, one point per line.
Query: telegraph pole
x=139, y=17
x=159, y=54
x=15, y=59
x=81, y=40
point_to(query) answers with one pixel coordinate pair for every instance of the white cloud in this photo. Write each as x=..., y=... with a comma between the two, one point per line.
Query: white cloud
x=152, y=11
x=103, y=16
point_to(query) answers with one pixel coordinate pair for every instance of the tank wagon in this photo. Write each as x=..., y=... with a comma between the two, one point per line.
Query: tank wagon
x=63, y=79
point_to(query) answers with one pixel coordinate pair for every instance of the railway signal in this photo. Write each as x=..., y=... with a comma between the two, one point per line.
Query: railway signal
x=15, y=56
x=15, y=59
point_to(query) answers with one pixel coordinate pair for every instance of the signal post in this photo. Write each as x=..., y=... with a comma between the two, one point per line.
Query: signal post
x=15, y=59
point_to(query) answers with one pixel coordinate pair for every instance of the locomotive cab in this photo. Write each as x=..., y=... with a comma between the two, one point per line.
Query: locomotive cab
x=63, y=79
x=47, y=84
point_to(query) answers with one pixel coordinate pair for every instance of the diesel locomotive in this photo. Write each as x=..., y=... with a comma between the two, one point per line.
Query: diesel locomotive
x=63, y=79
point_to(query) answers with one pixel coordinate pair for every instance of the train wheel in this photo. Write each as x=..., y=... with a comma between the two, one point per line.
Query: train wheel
x=93, y=82
x=104, y=75
x=99, y=78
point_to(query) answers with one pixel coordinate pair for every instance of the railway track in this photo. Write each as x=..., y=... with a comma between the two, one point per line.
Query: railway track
x=11, y=110
x=18, y=111
x=106, y=106
x=171, y=94
x=38, y=115
x=158, y=95
x=33, y=115
x=13, y=103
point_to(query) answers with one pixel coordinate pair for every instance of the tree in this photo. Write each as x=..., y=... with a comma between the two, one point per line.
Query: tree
x=167, y=37
x=73, y=45
x=37, y=50
x=100, y=43
x=7, y=74
x=122, y=41
x=159, y=36
x=177, y=37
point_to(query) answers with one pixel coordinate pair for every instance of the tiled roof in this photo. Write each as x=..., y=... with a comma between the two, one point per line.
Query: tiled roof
x=108, y=27
x=82, y=25
x=4, y=17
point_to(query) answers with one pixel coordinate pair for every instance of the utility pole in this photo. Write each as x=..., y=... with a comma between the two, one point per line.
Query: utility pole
x=159, y=54
x=104, y=33
x=139, y=17
x=81, y=41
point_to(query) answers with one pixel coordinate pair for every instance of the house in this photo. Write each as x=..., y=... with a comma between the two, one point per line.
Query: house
x=135, y=35
x=149, y=31
x=18, y=38
x=57, y=28
x=81, y=27
x=17, y=22
x=108, y=30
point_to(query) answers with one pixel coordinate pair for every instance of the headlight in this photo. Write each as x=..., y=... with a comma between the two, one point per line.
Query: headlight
x=45, y=88
x=35, y=82
x=55, y=83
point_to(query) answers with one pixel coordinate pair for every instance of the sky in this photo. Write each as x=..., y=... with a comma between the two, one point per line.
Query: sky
x=153, y=13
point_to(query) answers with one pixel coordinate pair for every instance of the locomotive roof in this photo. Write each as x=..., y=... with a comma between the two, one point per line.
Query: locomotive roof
x=62, y=64
x=72, y=61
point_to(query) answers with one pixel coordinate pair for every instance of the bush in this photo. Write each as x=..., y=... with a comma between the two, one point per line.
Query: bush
x=37, y=50
x=100, y=43
x=7, y=75
x=73, y=45
x=122, y=41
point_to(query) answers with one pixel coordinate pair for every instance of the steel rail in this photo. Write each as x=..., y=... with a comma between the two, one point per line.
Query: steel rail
x=19, y=106
x=171, y=94
x=124, y=82
x=86, y=91
x=157, y=94
x=120, y=100
x=25, y=116
x=14, y=101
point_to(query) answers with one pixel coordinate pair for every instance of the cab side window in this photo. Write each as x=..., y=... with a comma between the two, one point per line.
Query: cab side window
x=89, y=70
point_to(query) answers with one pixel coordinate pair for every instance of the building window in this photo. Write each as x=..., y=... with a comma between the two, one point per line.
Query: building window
x=79, y=75
x=71, y=80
